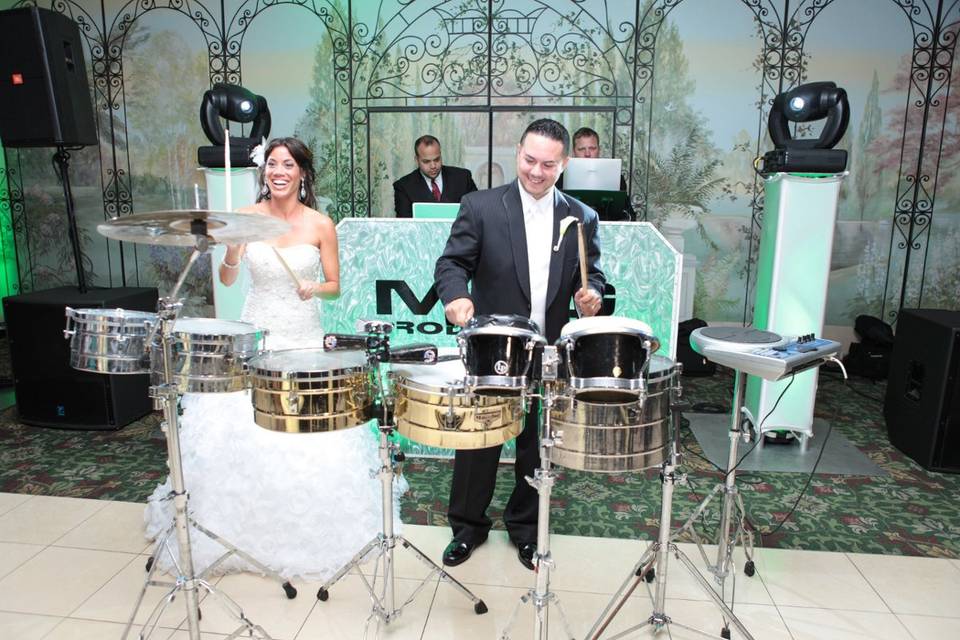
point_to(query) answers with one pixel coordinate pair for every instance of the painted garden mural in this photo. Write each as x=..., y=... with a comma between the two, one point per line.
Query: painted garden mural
x=678, y=89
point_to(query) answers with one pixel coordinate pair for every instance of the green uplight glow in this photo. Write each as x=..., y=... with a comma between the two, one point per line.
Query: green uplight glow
x=9, y=277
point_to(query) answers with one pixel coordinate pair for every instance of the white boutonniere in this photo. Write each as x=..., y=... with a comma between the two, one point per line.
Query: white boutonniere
x=256, y=155
x=564, y=224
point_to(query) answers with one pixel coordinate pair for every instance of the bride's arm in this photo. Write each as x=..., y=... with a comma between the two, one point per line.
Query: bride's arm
x=329, y=260
x=230, y=265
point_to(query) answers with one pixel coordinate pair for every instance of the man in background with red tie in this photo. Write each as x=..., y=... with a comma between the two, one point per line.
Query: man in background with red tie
x=431, y=181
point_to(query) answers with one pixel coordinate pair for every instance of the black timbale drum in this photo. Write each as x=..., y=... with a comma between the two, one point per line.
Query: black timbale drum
x=498, y=353
x=605, y=358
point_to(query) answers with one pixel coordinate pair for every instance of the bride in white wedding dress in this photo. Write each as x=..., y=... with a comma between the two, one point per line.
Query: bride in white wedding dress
x=301, y=503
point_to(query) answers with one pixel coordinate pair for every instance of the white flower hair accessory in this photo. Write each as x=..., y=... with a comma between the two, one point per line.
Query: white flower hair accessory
x=564, y=225
x=256, y=155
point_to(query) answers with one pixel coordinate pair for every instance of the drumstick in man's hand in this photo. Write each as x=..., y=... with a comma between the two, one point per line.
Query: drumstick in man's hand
x=582, y=243
x=293, y=276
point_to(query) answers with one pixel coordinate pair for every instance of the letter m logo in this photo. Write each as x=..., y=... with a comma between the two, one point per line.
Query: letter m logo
x=417, y=306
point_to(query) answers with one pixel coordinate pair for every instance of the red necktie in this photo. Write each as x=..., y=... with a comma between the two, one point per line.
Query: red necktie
x=435, y=189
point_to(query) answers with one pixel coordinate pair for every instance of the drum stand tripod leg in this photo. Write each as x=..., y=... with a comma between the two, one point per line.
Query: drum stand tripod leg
x=288, y=588
x=540, y=596
x=382, y=547
x=661, y=550
x=186, y=580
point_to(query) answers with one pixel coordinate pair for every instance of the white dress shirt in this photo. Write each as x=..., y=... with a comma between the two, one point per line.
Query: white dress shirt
x=438, y=180
x=538, y=224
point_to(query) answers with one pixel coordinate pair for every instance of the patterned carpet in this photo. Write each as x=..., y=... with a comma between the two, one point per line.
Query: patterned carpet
x=910, y=511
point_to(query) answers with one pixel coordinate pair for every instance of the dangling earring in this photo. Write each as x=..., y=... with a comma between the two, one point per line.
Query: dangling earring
x=303, y=190
x=265, y=190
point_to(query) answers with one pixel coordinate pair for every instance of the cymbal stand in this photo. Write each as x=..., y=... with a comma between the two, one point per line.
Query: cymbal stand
x=657, y=557
x=165, y=397
x=381, y=548
x=732, y=512
x=544, y=478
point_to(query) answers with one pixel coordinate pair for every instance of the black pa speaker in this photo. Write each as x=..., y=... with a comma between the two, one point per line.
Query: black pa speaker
x=49, y=392
x=922, y=406
x=44, y=94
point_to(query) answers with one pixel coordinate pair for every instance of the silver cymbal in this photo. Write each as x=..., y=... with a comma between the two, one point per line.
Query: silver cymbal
x=175, y=228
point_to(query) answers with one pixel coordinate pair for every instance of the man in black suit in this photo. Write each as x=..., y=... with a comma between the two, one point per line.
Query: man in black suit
x=506, y=241
x=430, y=181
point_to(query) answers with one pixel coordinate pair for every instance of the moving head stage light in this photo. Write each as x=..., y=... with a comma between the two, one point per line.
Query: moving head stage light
x=236, y=104
x=808, y=103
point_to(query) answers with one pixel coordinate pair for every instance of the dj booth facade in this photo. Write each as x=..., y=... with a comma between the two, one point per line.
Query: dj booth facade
x=386, y=273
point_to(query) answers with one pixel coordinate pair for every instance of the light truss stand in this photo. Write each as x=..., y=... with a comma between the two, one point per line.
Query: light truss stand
x=656, y=558
x=187, y=581
x=381, y=548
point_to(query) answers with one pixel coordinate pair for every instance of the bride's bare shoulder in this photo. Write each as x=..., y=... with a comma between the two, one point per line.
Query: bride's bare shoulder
x=319, y=221
x=254, y=208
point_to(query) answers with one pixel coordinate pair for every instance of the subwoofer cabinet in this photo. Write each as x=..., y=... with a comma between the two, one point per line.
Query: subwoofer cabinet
x=49, y=392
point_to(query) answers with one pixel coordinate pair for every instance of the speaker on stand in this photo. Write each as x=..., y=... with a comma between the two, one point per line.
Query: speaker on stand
x=922, y=405
x=44, y=96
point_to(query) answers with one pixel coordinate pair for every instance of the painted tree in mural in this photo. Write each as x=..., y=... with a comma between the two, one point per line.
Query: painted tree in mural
x=683, y=171
x=864, y=167
x=317, y=126
x=900, y=146
x=164, y=81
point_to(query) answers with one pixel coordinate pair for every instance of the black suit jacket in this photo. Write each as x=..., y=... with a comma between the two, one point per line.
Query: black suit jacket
x=488, y=246
x=412, y=188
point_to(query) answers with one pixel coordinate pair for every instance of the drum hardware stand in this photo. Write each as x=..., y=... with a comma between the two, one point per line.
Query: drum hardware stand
x=165, y=396
x=381, y=547
x=657, y=555
x=732, y=511
x=544, y=478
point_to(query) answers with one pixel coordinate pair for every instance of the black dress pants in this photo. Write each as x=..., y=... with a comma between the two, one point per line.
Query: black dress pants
x=474, y=479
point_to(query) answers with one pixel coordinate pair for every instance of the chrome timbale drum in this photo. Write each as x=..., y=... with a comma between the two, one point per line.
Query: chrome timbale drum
x=208, y=355
x=433, y=406
x=604, y=358
x=498, y=352
x=615, y=437
x=109, y=340
x=310, y=390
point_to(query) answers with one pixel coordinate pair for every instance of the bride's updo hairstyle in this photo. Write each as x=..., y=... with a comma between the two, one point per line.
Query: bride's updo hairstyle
x=304, y=159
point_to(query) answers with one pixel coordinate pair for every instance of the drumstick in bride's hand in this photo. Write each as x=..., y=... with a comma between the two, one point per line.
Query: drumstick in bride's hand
x=293, y=276
x=582, y=243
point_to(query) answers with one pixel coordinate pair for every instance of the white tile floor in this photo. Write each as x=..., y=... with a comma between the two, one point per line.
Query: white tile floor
x=71, y=569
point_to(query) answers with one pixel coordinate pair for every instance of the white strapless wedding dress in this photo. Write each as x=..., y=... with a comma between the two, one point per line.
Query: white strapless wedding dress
x=302, y=504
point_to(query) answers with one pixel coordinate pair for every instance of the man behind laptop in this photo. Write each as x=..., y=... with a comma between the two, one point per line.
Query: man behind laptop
x=431, y=181
x=586, y=144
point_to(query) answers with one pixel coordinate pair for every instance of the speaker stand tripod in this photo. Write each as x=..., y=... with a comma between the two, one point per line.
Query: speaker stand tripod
x=381, y=548
x=186, y=581
x=657, y=556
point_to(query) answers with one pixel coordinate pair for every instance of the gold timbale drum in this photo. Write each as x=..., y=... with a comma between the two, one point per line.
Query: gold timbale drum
x=433, y=407
x=614, y=437
x=310, y=390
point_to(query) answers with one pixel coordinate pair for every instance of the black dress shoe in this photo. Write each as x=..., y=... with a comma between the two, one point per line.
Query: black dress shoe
x=526, y=551
x=457, y=553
